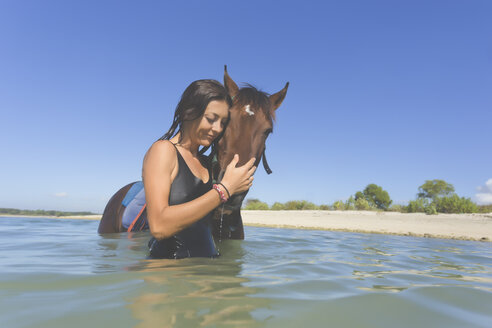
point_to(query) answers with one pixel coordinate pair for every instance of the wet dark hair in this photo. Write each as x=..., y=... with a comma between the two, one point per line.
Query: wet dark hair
x=193, y=103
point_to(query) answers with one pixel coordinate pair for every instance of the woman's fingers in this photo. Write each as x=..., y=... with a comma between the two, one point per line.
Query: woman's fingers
x=250, y=163
x=234, y=160
x=240, y=178
x=252, y=170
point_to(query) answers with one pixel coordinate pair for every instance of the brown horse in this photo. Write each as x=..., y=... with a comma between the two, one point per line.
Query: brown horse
x=251, y=121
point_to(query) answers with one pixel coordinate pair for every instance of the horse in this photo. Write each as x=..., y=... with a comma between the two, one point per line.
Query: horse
x=251, y=121
x=252, y=115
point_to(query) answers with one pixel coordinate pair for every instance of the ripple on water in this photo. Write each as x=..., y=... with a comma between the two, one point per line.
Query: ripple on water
x=58, y=273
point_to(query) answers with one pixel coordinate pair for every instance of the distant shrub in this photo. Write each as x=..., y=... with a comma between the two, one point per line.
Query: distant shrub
x=418, y=205
x=362, y=204
x=455, y=204
x=14, y=211
x=396, y=208
x=292, y=205
x=350, y=204
x=300, y=205
x=255, y=204
x=485, y=208
x=310, y=206
x=430, y=209
x=447, y=204
x=277, y=206
x=325, y=207
x=338, y=205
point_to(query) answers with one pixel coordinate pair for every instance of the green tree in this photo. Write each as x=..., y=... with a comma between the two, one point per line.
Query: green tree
x=417, y=205
x=338, y=205
x=41, y=212
x=278, y=206
x=396, y=208
x=309, y=206
x=255, y=204
x=485, y=208
x=377, y=196
x=350, y=203
x=430, y=210
x=300, y=205
x=432, y=189
x=362, y=204
x=359, y=195
x=455, y=204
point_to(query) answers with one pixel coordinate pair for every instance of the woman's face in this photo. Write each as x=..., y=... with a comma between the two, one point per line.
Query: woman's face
x=212, y=122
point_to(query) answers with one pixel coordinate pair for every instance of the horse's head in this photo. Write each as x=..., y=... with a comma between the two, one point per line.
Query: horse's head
x=251, y=121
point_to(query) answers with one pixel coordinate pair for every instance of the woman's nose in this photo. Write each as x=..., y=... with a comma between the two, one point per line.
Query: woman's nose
x=217, y=127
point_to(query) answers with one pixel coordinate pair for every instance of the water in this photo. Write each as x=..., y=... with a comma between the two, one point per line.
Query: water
x=61, y=273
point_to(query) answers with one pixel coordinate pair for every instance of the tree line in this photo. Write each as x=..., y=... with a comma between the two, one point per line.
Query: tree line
x=13, y=211
x=434, y=196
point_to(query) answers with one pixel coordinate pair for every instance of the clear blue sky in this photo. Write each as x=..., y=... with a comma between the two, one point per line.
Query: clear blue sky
x=385, y=92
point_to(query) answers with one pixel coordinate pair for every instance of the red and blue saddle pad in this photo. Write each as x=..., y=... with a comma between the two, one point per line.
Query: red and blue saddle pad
x=135, y=215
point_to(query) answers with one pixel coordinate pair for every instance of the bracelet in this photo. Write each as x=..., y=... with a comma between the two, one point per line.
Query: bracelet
x=222, y=195
x=228, y=193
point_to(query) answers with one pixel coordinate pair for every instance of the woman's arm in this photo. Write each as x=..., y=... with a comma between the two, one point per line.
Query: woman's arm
x=160, y=164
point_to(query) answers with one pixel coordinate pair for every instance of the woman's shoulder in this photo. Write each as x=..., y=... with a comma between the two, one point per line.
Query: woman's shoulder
x=163, y=145
x=162, y=151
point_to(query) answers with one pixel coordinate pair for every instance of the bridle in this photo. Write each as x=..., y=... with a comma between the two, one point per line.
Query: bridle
x=265, y=163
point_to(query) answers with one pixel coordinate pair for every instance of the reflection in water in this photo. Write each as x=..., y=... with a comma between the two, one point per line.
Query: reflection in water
x=59, y=273
x=196, y=292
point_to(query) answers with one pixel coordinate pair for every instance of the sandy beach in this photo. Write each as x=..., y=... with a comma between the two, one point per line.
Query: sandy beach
x=450, y=226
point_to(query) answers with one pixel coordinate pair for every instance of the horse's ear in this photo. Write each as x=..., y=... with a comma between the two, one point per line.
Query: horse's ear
x=230, y=85
x=277, y=98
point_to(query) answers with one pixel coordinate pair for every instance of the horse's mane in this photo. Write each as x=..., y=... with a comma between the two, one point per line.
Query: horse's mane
x=257, y=99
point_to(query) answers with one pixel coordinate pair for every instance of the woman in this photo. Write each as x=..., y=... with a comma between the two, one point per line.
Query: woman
x=177, y=179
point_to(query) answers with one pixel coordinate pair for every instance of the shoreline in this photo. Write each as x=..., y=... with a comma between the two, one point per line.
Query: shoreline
x=476, y=227
x=71, y=217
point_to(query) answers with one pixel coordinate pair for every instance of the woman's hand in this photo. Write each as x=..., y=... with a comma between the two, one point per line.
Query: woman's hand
x=239, y=179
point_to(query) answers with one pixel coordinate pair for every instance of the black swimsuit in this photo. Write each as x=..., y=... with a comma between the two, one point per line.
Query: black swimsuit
x=196, y=240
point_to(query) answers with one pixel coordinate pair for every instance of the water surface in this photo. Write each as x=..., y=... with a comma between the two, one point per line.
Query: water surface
x=59, y=273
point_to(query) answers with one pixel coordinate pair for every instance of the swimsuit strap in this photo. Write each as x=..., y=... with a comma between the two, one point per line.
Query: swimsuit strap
x=180, y=157
x=174, y=146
